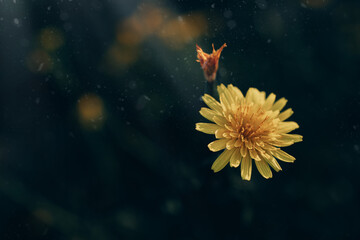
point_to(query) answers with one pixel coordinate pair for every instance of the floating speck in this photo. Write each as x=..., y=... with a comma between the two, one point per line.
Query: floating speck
x=132, y=84
x=16, y=21
x=262, y=4
x=40, y=67
x=356, y=148
x=231, y=24
x=228, y=14
x=64, y=16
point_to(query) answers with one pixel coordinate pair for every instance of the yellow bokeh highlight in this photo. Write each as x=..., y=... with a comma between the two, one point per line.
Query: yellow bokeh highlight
x=130, y=32
x=153, y=18
x=91, y=112
x=174, y=30
x=39, y=61
x=43, y=215
x=51, y=38
x=141, y=24
x=119, y=57
x=150, y=22
x=181, y=30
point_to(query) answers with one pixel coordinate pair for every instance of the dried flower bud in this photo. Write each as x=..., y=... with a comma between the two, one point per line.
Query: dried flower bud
x=209, y=62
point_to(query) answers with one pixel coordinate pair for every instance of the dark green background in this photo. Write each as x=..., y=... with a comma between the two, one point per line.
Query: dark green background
x=145, y=174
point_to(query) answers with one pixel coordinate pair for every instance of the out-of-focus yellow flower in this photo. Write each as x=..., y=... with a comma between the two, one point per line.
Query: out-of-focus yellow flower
x=209, y=62
x=249, y=127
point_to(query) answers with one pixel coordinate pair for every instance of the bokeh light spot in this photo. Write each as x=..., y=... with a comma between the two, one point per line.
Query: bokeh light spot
x=183, y=29
x=39, y=61
x=51, y=39
x=91, y=113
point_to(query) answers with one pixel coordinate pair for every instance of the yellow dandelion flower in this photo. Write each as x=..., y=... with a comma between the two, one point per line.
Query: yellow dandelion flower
x=248, y=127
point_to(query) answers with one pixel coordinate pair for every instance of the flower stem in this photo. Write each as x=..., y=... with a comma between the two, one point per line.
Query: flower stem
x=210, y=88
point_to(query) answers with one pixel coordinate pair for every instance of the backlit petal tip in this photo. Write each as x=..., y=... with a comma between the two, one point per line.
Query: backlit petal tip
x=208, y=128
x=283, y=156
x=264, y=169
x=217, y=145
x=208, y=113
x=235, y=159
x=279, y=104
x=222, y=160
x=246, y=168
x=286, y=114
x=286, y=127
x=294, y=138
x=212, y=103
x=274, y=164
x=269, y=102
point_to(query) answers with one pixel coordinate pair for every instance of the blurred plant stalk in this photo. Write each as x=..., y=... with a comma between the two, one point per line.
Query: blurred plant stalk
x=210, y=64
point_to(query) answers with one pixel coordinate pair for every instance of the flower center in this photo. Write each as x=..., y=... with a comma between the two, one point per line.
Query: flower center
x=250, y=124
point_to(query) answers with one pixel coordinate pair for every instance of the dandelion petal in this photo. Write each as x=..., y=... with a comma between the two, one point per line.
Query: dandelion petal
x=254, y=155
x=272, y=162
x=218, y=145
x=212, y=103
x=280, y=104
x=222, y=160
x=269, y=102
x=235, y=91
x=264, y=169
x=235, y=158
x=246, y=168
x=283, y=156
x=208, y=113
x=286, y=127
x=286, y=114
x=292, y=137
x=208, y=128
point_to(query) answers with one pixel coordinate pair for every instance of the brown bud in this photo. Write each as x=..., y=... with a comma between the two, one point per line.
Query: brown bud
x=209, y=62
